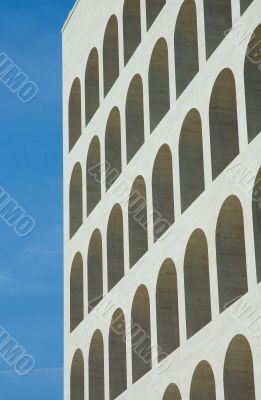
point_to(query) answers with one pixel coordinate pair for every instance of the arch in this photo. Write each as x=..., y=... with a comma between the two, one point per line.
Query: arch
x=110, y=54
x=134, y=117
x=203, y=385
x=218, y=22
x=93, y=175
x=113, y=147
x=231, y=253
x=162, y=192
x=77, y=377
x=239, y=381
x=75, y=113
x=153, y=8
x=191, y=164
x=196, y=280
x=140, y=334
x=244, y=4
x=256, y=211
x=131, y=27
x=167, y=310
x=96, y=367
x=75, y=195
x=95, y=270
x=186, y=46
x=92, y=97
x=117, y=355
x=76, y=292
x=137, y=217
x=223, y=122
x=115, y=247
x=172, y=393
x=159, y=99
x=253, y=85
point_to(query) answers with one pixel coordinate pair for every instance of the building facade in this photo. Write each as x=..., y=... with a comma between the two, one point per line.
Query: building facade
x=162, y=200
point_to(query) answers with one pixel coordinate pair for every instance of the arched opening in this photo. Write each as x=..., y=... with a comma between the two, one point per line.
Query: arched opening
x=231, y=253
x=134, y=117
x=196, y=280
x=115, y=247
x=92, y=99
x=75, y=114
x=75, y=195
x=191, y=164
x=256, y=210
x=113, y=147
x=96, y=367
x=93, y=175
x=137, y=216
x=218, y=22
x=140, y=334
x=203, y=385
x=253, y=85
x=172, y=393
x=131, y=27
x=110, y=54
x=167, y=310
x=162, y=192
x=223, y=122
x=244, y=4
x=153, y=8
x=239, y=381
x=117, y=355
x=76, y=292
x=95, y=271
x=77, y=377
x=159, y=83
x=186, y=46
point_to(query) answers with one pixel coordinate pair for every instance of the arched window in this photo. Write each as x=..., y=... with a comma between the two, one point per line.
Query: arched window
x=196, y=279
x=75, y=114
x=167, y=310
x=256, y=210
x=140, y=334
x=96, y=367
x=134, y=117
x=203, y=385
x=153, y=8
x=137, y=213
x=186, y=46
x=76, y=292
x=162, y=192
x=95, y=271
x=77, y=377
x=231, y=254
x=159, y=83
x=75, y=195
x=253, y=85
x=239, y=381
x=131, y=27
x=113, y=147
x=172, y=393
x=223, y=122
x=191, y=166
x=110, y=54
x=244, y=4
x=92, y=99
x=115, y=247
x=93, y=175
x=117, y=355
x=218, y=22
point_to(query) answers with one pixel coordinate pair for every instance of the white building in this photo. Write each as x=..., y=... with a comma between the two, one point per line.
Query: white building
x=162, y=200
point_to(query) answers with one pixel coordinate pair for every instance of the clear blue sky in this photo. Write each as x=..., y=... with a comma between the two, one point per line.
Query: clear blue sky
x=31, y=271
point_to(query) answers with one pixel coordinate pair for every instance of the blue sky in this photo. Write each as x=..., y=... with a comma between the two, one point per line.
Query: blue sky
x=31, y=271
